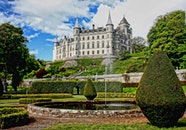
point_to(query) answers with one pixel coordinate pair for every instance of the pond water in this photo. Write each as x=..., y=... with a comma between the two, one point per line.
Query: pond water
x=89, y=105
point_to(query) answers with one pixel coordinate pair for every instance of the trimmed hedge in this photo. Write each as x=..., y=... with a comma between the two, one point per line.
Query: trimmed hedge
x=10, y=117
x=33, y=100
x=115, y=95
x=52, y=95
x=68, y=86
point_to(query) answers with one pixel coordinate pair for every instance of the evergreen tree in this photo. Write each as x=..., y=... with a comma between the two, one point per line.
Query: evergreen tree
x=89, y=90
x=159, y=94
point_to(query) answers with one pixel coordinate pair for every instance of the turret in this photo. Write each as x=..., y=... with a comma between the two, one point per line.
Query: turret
x=124, y=25
x=109, y=25
x=76, y=27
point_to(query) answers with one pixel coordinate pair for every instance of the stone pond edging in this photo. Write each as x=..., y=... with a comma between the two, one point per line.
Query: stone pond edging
x=67, y=113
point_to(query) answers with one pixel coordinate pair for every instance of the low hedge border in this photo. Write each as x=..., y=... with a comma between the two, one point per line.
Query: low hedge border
x=52, y=95
x=33, y=100
x=115, y=95
x=10, y=117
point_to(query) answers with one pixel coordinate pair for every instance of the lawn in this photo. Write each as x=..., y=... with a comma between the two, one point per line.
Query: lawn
x=127, y=126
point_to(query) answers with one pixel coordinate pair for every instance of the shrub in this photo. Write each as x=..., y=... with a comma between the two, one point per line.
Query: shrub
x=1, y=88
x=159, y=94
x=10, y=117
x=33, y=100
x=40, y=73
x=53, y=95
x=89, y=90
x=68, y=86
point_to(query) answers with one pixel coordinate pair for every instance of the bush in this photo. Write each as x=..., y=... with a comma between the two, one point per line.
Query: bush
x=33, y=100
x=68, y=86
x=116, y=95
x=52, y=87
x=10, y=117
x=89, y=90
x=1, y=88
x=40, y=73
x=53, y=95
x=159, y=94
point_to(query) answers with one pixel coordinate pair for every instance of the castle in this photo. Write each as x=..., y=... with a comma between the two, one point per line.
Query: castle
x=96, y=42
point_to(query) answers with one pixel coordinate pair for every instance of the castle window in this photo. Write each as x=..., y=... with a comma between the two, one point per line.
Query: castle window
x=92, y=44
x=97, y=37
x=103, y=45
x=97, y=44
x=107, y=35
x=83, y=52
x=87, y=38
x=88, y=45
x=92, y=52
x=87, y=52
x=83, y=46
x=102, y=36
x=92, y=37
x=83, y=38
x=97, y=51
x=102, y=51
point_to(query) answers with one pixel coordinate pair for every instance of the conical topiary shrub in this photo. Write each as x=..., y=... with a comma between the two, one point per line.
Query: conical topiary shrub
x=89, y=90
x=159, y=94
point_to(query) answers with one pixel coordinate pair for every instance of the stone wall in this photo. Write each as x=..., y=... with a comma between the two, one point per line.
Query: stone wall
x=124, y=78
x=66, y=113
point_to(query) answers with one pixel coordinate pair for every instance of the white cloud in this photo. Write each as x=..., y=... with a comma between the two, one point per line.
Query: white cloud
x=139, y=13
x=34, y=52
x=32, y=36
x=51, y=16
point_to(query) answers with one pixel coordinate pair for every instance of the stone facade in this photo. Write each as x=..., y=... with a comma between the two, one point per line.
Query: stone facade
x=95, y=43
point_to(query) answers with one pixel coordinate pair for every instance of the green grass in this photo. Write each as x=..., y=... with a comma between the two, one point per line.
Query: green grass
x=127, y=126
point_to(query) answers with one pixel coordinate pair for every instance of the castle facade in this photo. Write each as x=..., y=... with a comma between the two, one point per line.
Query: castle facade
x=96, y=42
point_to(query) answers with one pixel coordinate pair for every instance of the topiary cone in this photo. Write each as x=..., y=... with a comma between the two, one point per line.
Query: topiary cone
x=159, y=94
x=89, y=90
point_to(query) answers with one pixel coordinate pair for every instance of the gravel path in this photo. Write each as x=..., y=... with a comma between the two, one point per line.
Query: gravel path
x=38, y=123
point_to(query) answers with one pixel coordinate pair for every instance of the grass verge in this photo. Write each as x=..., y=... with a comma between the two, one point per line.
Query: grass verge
x=128, y=126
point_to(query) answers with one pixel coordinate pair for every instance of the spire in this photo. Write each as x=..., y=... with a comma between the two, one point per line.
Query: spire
x=124, y=21
x=109, y=21
x=77, y=23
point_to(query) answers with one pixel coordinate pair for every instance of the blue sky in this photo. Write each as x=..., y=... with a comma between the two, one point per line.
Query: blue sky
x=42, y=20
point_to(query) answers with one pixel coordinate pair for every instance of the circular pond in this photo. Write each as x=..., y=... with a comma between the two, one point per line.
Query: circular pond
x=71, y=109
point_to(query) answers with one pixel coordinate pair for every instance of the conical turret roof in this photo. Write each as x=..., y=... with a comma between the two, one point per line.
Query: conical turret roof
x=77, y=23
x=109, y=21
x=124, y=21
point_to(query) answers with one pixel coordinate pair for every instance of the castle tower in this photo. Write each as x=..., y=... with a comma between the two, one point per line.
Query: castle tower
x=77, y=30
x=110, y=30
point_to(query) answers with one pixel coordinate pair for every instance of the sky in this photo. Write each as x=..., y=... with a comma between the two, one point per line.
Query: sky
x=43, y=20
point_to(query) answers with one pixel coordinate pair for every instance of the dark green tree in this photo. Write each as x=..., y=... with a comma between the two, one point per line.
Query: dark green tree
x=124, y=54
x=169, y=35
x=138, y=44
x=1, y=88
x=159, y=94
x=89, y=90
x=13, y=52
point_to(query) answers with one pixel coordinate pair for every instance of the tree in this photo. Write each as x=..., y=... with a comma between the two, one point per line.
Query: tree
x=138, y=44
x=169, y=35
x=89, y=90
x=159, y=94
x=13, y=51
x=1, y=88
x=124, y=54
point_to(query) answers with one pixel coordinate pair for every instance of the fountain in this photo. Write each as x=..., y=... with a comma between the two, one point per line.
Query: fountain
x=71, y=109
